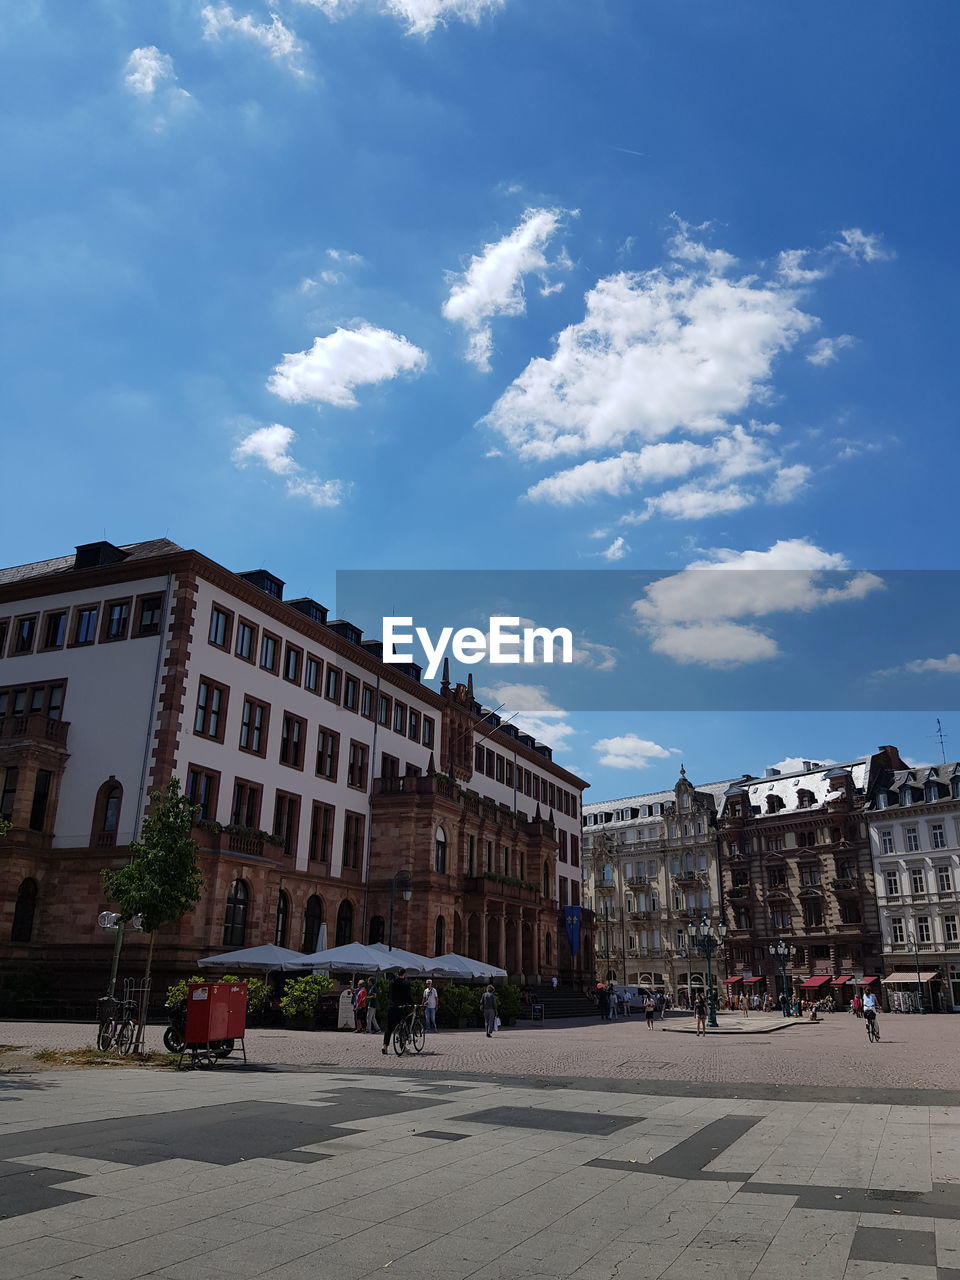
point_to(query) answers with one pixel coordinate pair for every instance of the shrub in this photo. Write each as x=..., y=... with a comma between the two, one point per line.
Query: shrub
x=459, y=1001
x=300, y=995
x=508, y=1002
x=257, y=991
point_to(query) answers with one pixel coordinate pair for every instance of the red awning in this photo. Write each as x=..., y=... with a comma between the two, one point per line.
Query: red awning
x=748, y=981
x=865, y=982
x=817, y=981
x=838, y=982
x=728, y=981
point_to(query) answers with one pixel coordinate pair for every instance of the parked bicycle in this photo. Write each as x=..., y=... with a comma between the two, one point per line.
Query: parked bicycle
x=174, y=1038
x=410, y=1030
x=117, y=1025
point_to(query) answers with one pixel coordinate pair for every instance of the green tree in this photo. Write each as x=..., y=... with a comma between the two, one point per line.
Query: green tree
x=4, y=827
x=162, y=881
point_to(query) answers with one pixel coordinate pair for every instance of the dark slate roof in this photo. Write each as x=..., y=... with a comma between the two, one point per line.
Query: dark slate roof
x=64, y=564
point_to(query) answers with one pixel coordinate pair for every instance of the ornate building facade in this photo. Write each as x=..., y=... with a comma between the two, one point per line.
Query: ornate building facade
x=651, y=870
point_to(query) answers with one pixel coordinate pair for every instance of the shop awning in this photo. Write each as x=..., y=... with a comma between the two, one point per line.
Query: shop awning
x=910, y=979
x=730, y=981
x=749, y=981
x=817, y=981
x=838, y=982
x=865, y=982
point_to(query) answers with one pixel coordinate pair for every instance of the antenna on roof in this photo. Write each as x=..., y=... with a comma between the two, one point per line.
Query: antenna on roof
x=941, y=735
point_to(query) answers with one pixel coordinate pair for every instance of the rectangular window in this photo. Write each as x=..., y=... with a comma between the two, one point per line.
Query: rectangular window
x=366, y=702
x=353, y=827
x=850, y=913
x=944, y=880
x=351, y=689
x=246, y=640
x=413, y=726
x=950, y=933
x=917, y=884
x=55, y=702
x=810, y=875
x=85, y=625
x=269, y=652
x=149, y=615
x=4, y=624
x=11, y=776
x=429, y=736
x=384, y=710
x=488, y=857
x=897, y=931
x=332, y=687
x=293, y=735
x=500, y=768
x=508, y=770
x=202, y=787
x=116, y=620
x=478, y=759
x=389, y=766
x=886, y=842
x=253, y=727
x=776, y=877
x=220, y=627
x=328, y=749
x=357, y=765
x=55, y=630
x=774, y=844
x=812, y=915
x=912, y=837
x=24, y=633
x=938, y=837
x=292, y=659
x=491, y=763
x=893, y=883
x=399, y=718
x=41, y=794
x=562, y=845
x=245, y=809
x=565, y=893
x=574, y=893
x=321, y=832
x=311, y=674
x=780, y=918
x=923, y=928
x=575, y=851
x=210, y=717
x=286, y=821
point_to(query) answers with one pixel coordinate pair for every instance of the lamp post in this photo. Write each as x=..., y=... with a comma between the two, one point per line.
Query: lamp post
x=707, y=940
x=782, y=952
x=401, y=882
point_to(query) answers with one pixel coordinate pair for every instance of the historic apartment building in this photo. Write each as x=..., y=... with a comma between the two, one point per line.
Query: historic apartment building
x=321, y=773
x=914, y=823
x=797, y=867
x=651, y=870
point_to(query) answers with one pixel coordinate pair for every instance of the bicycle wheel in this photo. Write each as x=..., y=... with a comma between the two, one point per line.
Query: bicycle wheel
x=125, y=1037
x=400, y=1036
x=172, y=1041
x=105, y=1035
x=876, y=1031
x=419, y=1035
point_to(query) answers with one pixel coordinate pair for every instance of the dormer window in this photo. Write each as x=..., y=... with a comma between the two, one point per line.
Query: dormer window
x=774, y=804
x=805, y=799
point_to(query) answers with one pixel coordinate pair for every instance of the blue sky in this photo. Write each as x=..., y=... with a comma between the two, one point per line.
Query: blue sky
x=488, y=284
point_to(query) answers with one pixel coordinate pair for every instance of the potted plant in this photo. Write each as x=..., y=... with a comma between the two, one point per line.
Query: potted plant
x=298, y=1004
x=508, y=1003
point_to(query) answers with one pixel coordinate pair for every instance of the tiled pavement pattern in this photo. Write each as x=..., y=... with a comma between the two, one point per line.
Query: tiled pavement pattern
x=323, y=1176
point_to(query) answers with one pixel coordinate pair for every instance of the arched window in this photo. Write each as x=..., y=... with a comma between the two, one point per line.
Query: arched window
x=283, y=919
x=106, y=814
x=548, y=949
x=438, y=937
x=235, y=919
x=440, y=853
x=378, y=929
x=24, y=911
x=312, y=920
x=345, y=923
x=547, y=879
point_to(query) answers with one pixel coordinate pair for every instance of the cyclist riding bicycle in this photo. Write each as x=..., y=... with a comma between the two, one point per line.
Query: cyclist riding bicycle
x=870, y=1007
x=400, y=1004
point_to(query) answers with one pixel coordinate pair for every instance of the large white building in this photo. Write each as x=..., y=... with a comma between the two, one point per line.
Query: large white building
x=914, y=822
x=121, y=667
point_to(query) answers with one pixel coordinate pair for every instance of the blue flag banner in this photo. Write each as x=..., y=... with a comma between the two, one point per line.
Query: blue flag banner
x=571, y=920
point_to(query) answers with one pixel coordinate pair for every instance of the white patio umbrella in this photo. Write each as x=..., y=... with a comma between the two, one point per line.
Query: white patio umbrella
x=409, y=960
x=353, y=957
x=457, y=966
x=263, y=959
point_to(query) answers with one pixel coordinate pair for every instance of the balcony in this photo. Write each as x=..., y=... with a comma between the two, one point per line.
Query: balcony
x=640, y=915
x=638, y=882
x=505, y=888
x=427, y=784
x=34, y=728
x=691, y=879
x=845, y=885
x=737, y=892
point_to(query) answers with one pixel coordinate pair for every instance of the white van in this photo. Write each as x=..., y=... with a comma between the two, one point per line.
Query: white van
x=635, y=995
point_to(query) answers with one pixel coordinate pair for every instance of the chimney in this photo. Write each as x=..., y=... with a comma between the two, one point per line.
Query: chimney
x=771, y=773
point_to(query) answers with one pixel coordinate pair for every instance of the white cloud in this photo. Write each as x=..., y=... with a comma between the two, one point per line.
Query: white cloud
x=949, y=665
x=421, y=16
x=861, y=246
x=788, y=482
x=795, y=764
x=631, y=752
x=791, y=267
x=146, y=69
x=586, y=653
x=827, y=350
x=529, y=707
x=696, y=616
x=492, y=285
x=279, y=41
x=617, y=549
x=344, y=255
x=345, y=359
x=270, y=446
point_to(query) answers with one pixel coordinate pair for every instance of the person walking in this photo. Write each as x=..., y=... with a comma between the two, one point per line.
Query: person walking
x=664, y=1007
x=649, y=1009
x=612, y=1002
x=700, y=1013
x=400, y=1001
x=430, y=1002
x=373, y=1027
x=488, y=1007
x=603, y=1001
x=856, y=1005
x=360, y=1006
x=554, y=982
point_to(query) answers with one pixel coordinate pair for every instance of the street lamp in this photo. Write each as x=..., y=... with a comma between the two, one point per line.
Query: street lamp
x=707, y=940
x=782, y=952
x=400, y=882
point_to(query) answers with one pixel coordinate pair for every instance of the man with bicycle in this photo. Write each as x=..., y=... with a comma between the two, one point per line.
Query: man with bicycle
x=870, y=1007
x=399, y=1005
